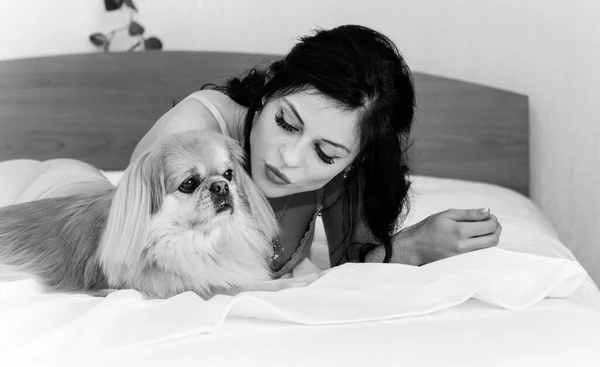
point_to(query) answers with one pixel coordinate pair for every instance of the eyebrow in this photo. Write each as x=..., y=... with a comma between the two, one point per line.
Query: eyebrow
x=293, y=108
x=337, y=145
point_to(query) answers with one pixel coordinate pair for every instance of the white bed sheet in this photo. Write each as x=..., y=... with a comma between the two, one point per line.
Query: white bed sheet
x=553, y=331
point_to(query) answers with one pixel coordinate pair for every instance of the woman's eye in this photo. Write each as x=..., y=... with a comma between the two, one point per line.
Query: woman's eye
x=324, y=157
x=228, y=175
x=280, y=121
x=189, y=185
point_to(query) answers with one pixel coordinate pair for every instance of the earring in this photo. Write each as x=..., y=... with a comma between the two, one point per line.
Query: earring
x=346, y=172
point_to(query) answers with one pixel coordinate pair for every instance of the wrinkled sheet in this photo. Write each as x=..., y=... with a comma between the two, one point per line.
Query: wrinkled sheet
x=62, y=324
x=501, y=306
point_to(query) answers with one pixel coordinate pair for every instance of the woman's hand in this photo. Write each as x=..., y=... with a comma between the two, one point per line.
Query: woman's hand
x=445, y=234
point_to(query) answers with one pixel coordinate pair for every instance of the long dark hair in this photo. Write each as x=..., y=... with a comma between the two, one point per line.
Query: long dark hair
x=359, y=69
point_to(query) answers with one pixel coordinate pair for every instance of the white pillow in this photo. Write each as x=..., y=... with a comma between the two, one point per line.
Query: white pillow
x=524, y=226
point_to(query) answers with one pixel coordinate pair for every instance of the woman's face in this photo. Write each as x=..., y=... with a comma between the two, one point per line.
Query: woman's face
x=299, y=142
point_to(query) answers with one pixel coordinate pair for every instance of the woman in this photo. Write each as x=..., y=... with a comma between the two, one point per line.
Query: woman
x=325, y=130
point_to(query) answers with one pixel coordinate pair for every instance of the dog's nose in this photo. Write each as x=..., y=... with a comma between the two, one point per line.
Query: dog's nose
x=220, y=188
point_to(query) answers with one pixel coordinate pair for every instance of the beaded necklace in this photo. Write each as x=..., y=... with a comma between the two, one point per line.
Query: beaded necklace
x=277, y=249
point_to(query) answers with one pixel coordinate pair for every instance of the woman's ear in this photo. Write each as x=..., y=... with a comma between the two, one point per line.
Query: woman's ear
x=138, y=196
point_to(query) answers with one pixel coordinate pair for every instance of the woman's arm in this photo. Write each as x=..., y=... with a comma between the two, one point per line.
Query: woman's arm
x=403, y=253
x=340, y=242
x=441, y=235
x=189, y=114
x=438, y=236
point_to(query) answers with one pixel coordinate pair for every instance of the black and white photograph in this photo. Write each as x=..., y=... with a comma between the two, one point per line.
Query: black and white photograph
x=299, y=183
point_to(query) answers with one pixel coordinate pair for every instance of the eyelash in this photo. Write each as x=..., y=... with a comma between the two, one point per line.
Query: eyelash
x=324, y=157
x=280, y=121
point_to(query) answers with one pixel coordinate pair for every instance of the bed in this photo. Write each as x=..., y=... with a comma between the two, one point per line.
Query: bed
x=527, y=302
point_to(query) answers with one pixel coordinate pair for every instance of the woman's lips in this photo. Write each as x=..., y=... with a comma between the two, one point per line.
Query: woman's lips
x=276, y=176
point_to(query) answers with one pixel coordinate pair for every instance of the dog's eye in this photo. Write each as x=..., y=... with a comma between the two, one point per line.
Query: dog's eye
x=189, y=185
x=228, y=175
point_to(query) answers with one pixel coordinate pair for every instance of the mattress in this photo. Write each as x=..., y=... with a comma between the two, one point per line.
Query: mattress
x=527, y=302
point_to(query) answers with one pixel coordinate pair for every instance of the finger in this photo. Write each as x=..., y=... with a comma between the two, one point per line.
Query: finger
x=468, y=215
x=474, y=229
x=479, y=243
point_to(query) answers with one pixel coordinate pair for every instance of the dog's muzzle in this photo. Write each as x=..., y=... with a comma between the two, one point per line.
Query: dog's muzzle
x=220, y=196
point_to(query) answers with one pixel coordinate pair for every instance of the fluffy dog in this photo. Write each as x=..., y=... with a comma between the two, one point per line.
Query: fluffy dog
x=185, y=217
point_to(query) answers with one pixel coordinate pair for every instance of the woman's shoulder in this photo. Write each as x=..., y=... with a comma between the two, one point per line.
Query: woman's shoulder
x=232, y=113
x=205, y=109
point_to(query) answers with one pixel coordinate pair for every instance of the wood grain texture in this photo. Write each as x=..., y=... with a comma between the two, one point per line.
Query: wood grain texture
x=96, y=107
x=471, y=132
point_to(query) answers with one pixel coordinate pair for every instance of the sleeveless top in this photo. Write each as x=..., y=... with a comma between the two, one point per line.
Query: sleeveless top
x=297, y=214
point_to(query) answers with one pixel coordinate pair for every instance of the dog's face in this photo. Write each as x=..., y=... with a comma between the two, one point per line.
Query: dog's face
x=177, y=205
x=203, y=181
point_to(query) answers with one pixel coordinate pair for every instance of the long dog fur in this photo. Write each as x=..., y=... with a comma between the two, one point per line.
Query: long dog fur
x=131, y=237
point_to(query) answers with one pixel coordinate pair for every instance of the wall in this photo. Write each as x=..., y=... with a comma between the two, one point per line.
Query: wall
x=547, y=49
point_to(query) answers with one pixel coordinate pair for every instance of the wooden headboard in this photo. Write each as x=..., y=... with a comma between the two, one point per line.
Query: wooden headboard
x=96, y=107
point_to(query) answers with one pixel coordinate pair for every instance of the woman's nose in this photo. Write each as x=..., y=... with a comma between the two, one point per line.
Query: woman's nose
x=291, y=154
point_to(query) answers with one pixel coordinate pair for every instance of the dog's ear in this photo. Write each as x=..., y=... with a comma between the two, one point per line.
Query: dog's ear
x=138, y=196
x=257, y=205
